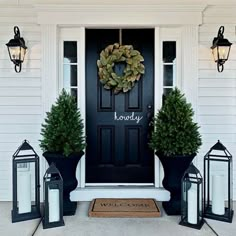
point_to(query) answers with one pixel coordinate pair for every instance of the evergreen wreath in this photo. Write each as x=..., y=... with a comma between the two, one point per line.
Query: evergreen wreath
x=120, y=53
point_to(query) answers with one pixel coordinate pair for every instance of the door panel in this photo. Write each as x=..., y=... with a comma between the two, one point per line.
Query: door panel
x=117, y=125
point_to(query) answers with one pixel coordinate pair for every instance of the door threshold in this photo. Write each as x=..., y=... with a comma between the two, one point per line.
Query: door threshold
x=90, y=193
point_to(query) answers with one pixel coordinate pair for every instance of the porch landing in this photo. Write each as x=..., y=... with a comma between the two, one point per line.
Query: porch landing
x=82, y=225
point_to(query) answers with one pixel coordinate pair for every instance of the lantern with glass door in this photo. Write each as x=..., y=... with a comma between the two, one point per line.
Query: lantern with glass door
x=218, y=184
x=26, y=202
x=192, y=198
x=53, y=198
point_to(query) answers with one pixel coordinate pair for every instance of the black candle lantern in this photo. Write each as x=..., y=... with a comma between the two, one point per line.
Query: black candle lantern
x=53, y=198
x=17, y=49
x=220, y=49
x=192, y=198
x=26, y=202
x=218, y=184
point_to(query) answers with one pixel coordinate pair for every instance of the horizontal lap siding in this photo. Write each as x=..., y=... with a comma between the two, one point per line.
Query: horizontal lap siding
x=217, y=91
x=20, y=94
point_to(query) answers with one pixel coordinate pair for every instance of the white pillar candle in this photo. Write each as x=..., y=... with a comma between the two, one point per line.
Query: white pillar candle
x=53, y=202
x=192, y=206
x=218, y=204
x=24, y=192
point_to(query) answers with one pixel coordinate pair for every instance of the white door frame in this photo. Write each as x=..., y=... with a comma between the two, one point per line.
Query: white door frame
x=160, y=17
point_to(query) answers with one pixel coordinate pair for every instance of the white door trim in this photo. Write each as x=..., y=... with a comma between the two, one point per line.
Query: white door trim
x=158, y=17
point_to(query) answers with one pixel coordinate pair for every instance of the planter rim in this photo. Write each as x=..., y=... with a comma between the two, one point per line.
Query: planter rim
x=161, y=154
x=61, y=155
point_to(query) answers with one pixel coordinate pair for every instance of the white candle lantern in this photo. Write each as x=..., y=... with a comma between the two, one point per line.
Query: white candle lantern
x=25, y=182
x=192, y=199
x=53, y=198
x=218, y=184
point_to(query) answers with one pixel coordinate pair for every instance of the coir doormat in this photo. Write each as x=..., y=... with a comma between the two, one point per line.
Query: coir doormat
x=106, y=207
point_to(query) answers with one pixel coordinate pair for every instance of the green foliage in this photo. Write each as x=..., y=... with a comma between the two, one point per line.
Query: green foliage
x=175, y=133
x=63, y=128
x=116, y=53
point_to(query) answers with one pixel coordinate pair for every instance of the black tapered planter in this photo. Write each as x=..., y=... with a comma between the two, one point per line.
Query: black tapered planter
x=67, y=167
x=174, y=168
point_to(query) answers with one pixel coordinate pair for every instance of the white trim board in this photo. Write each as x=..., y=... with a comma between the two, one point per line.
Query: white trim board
x=110, y=15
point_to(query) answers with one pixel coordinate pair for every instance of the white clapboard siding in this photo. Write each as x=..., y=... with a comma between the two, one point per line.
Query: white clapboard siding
x=217, y=101
x=217, y=91
x=20, y=93
x=11, y=147
x=211, y=65
x=21, y=110
x=20, y=82
x=7, y=64
x=9, y=101
x=217, y=110
x=216, y=83
x=216, y=119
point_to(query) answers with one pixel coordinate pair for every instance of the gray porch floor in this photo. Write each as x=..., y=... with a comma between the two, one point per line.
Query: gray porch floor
x=82, y=225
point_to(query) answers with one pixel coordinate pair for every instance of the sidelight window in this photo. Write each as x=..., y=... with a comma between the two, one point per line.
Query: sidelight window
x=169, y=66
x=70, y=67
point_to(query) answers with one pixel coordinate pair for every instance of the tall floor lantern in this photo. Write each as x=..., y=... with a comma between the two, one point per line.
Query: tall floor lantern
x=25, y=179
x=218, y=184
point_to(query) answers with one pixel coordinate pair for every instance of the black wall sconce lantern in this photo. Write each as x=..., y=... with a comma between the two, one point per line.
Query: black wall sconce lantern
x=53, y=198
x=17, y=49
x=220, y=49
x=192, y=199
x=26, y=202
x=218, y=184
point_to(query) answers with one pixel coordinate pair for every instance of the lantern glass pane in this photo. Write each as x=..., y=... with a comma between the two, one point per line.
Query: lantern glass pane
x=22, y=54
x=17, y=53
x=223, y=52
x=26, y=189
x=70, y=52
x=53, y=203
x=218, y=181
x=215, y=54
x=168, y=75
x=70, y=75
x=169, y=51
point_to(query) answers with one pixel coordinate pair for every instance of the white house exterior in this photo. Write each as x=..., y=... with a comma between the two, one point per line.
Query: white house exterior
x=26, y=96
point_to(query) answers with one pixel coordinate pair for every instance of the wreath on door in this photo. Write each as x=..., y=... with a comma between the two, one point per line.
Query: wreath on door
x=117, y=53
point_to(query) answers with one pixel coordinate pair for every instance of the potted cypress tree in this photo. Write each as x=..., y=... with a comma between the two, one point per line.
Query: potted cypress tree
x=63, y=143
x=175, y=140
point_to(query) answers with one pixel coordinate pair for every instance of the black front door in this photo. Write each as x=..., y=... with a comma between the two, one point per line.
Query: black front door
x=117, y=126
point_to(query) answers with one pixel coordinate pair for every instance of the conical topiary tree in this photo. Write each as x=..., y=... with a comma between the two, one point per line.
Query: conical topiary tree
x=62, y=131
x=174, y=132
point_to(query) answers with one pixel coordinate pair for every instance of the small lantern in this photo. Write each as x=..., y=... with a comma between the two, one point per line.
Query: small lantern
x=192, y=198
x=26, y=202
x=17, y=49
x=53, y=198
x=218, y=184
x=220, y=49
